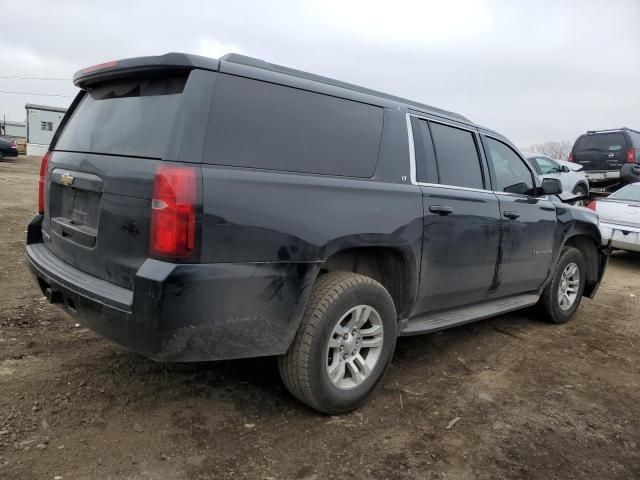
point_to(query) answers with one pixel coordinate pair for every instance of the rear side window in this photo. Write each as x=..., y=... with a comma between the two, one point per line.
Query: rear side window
x=125, y=117
x=610, y=142
x=512, y=175
x=635, y=138
x=263, y=125
x=456, y=156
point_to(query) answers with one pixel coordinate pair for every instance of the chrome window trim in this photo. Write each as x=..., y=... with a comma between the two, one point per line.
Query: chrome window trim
x=412, y=152
x=444, y=122
x=412, y=160
x=412, y=156
x=454, y=187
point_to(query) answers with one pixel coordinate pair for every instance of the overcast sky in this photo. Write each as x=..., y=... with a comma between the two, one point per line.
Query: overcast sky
x=534, y=70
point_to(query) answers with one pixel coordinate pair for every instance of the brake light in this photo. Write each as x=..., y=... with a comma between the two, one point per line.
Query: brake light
x=42, y=181
x=631, y=155
x=100, y=66
x=592, y=205
x=173, y=212
x=14, y=145
x=571, y=159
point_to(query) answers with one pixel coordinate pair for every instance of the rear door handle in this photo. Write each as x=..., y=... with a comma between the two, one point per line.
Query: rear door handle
x=511, y=214
x=441, y=210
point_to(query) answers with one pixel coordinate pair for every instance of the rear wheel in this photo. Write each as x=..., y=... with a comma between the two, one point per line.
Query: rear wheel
x=1, y=155
x=561, y=297
x=344, y=343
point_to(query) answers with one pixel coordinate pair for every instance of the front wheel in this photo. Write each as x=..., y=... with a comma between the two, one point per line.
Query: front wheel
x=561, y=297
x=344, y=343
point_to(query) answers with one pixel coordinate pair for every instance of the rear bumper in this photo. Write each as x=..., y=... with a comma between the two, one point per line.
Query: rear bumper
x=623, y=237
x=595, y=175
x=181, y=312
x=10, y=153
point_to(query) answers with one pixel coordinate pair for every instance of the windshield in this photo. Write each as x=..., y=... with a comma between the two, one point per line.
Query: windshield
x=132, y=117
x=629, y=193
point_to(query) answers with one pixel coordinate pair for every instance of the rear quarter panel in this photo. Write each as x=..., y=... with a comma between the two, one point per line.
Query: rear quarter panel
x=254, y=215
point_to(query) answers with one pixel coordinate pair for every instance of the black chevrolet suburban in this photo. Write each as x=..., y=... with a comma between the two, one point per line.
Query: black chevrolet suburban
x=196, y=209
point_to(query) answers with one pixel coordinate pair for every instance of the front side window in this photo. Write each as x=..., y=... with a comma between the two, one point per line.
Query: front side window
x=456, y=156
x=512, y=175
x=547, y=166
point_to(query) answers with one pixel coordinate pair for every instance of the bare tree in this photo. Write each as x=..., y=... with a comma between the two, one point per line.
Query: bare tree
x=558, y=150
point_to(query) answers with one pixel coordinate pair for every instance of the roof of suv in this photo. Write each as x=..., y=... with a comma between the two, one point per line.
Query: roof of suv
x=257, y=63
x=611, y=130
x=183, y=60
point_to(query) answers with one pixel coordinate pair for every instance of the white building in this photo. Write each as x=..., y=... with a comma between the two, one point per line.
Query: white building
x=42, y=123
x=13, y=129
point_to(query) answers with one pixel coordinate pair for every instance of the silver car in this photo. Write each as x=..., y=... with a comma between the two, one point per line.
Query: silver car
x=620, y=217
x=574, y=181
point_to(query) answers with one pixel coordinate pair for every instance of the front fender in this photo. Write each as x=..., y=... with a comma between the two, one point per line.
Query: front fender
x=578, y=226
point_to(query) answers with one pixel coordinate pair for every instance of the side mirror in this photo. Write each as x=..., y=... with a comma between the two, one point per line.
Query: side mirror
x=551, y=186
x=565, y=169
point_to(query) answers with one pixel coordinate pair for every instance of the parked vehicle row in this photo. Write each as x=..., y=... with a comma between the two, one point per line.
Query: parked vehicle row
x=620, y=217
x=282, y=213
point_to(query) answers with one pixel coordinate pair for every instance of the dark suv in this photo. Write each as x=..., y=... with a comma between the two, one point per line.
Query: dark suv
x=610, y=158
x=197, y=209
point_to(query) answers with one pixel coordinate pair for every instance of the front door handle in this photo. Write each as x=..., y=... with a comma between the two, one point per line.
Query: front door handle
x=441, y=210
x=511, y=214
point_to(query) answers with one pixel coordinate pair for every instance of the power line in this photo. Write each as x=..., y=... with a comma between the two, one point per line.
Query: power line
x=39, y=94
x=33, y=78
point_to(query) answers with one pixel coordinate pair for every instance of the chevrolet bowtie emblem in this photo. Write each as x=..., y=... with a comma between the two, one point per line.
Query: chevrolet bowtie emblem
x=66, y=179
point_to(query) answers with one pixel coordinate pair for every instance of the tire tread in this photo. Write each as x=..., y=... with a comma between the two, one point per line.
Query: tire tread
x=294, y=366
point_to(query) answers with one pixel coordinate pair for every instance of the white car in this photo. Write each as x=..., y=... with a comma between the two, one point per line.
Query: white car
x=574, y=181
x=620, y=217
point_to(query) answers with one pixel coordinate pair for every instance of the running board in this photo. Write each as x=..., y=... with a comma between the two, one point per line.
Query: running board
x=432, y=322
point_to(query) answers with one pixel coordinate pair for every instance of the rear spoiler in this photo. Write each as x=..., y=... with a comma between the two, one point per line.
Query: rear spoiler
x=129, y=66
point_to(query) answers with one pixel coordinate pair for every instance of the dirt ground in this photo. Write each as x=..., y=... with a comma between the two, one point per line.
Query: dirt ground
x=535, y=400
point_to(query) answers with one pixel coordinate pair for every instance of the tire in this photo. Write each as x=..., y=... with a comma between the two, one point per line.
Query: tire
x=551, y=302
x=340, y=298
x=1, y=156
x=581, y=190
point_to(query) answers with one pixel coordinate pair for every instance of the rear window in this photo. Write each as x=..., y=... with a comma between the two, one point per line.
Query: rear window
x=263, y=125
x=610, y=142
x=125, y=117
x=630, y=193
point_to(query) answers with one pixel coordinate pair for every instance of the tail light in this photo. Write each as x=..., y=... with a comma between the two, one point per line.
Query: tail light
x=173, y=212
x=14, y=145
x=631, y=155
x=42, y=182
x=100, y=66
x=571, y=159
x=592, y=205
